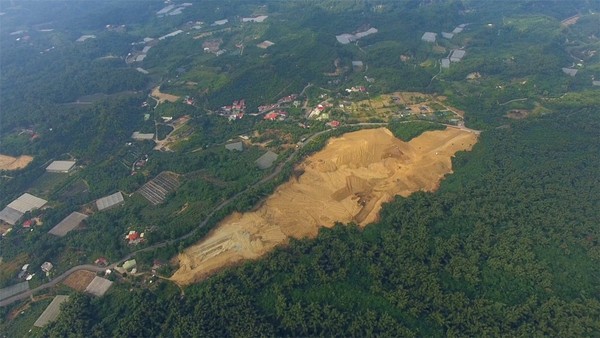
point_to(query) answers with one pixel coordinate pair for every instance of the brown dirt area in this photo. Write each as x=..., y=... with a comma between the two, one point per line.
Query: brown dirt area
x=14, y=163
x=347, y=181
x=162, y=97
x=79, y=280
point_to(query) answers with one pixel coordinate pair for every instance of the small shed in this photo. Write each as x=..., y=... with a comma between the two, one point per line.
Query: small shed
x=357, y=64
x=47, y=266
x=141, y=136
x=570, y=71
x=239, y=146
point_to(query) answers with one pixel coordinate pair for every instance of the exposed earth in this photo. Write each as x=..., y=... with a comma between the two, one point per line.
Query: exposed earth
x=14, y=163
x=163, y=97
x=347, y=181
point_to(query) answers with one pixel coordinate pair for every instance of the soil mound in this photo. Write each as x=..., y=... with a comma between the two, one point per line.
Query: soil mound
x=345, y=182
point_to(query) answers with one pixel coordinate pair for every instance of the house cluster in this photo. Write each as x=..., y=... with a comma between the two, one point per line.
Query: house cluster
x=14, y=211
x=276, y=115
x=189, y=100
x=276, y=106
x=361, y=89
x=27, y=276
x=319, y=110
x=134, y=237
x=24, y=274
x=235, y=111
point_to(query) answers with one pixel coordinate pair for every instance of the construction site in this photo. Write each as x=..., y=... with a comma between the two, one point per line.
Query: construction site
x=348, y=181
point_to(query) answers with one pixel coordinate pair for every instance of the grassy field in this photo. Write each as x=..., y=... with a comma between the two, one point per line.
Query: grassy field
x=47, y=183
x=22, y=324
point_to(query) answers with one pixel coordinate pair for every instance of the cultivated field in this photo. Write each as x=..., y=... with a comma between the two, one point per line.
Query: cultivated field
x=79, y=280
x=345, y=182
x=14, y=163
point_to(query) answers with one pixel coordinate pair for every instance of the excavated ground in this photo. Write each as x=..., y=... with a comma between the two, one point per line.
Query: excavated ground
x=345, y=182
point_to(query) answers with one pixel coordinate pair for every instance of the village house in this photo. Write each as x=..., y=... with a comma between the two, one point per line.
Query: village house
x=47, y=267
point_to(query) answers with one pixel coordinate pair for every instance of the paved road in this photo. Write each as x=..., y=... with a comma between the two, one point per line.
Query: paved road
x=219, y=207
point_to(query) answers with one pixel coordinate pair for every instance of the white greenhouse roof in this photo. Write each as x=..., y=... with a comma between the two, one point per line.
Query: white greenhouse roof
x=109, y=201
x=27, y=202
x=62, y=166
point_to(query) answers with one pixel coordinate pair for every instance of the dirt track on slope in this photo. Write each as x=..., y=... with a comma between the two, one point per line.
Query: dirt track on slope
x=345, y=182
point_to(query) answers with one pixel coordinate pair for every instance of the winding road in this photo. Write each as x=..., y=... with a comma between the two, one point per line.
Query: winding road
x=219, y=207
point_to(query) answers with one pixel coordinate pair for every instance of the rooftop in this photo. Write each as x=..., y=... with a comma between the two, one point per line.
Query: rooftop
x=429, y=37
x=141, y=136
x=239, y=146
x=52, y=311
x=98, y=286
x=14, y=289
x=109, y=201
x=570, y=71
x=60, y=166
x=69, y=223
x=27, y=202
x=266, y=160
x=10, y=215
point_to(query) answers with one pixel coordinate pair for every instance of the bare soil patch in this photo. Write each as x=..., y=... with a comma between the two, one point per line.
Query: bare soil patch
x=347, y=181
x=79, y=280
x=162, y=97
x=14, y=163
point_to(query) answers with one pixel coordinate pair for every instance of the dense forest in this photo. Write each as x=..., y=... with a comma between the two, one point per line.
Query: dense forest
x=507, y=246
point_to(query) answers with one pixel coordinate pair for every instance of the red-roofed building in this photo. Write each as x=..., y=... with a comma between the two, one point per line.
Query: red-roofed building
x=271, y=116
x=28, y=223
x=334, y=124
x=101, y=261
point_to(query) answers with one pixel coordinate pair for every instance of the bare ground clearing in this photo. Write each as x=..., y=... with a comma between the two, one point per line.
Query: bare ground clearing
x=162, y=97
x=347, y=181
x=14, y=163
x=79, y=280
